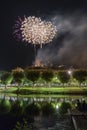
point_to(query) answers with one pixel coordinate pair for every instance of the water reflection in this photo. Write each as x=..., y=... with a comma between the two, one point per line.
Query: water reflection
x=36, y=113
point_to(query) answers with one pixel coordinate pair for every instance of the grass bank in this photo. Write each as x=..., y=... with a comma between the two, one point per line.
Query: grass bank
x=44, y=90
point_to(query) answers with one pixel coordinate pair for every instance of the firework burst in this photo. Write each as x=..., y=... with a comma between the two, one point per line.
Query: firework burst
x=33, y=30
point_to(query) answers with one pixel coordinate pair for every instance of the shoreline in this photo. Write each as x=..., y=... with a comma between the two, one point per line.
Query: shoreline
x=46, y=91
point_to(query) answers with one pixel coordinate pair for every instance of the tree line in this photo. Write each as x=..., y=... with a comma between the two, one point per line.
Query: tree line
x=19, y=76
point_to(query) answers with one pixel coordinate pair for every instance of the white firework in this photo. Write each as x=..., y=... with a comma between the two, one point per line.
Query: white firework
x=36, y=31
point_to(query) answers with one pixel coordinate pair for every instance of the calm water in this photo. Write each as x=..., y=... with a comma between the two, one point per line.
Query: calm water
x=37, y=113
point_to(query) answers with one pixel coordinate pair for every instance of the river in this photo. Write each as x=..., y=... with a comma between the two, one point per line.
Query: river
x=37, y=112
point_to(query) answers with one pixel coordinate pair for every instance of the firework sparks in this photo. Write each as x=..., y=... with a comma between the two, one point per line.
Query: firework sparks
x=17, y=32
x=39, y=63
x=34, y=30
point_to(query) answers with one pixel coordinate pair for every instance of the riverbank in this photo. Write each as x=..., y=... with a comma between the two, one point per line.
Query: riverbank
x=44, y=90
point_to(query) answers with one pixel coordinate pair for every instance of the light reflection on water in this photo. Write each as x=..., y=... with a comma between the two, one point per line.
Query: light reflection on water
x=46, y=113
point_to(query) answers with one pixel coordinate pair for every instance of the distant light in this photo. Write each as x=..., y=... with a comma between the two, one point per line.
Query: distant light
x=69, y=72
x=57, y=106
x=56, y=78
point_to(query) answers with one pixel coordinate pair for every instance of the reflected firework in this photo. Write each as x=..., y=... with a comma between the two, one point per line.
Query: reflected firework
x=33, y=30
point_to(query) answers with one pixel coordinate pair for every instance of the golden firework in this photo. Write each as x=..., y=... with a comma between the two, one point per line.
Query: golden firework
x=36, y=31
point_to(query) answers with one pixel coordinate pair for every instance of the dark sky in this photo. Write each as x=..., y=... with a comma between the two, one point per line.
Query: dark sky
x=14, y=53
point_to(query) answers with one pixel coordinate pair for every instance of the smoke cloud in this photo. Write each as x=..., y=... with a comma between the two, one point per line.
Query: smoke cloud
x=70, y=45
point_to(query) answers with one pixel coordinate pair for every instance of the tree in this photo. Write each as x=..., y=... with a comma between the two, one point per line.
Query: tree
x=64, y=107
x=80, y=75
x=5, y=106
x=47, y=75
x=6, y=78
x=63, y=76
x=33, y=109
x=32, y=75
x=17, y=107
x=48, y=108
x=18, y=76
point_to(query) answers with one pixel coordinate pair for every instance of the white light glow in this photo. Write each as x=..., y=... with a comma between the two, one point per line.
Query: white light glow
x=69, y=72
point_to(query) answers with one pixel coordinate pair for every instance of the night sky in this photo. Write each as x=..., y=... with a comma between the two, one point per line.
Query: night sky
x=15, y=53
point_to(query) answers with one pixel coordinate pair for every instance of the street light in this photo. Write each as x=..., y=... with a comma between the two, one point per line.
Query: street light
x=69, y=72
x=71, y=76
